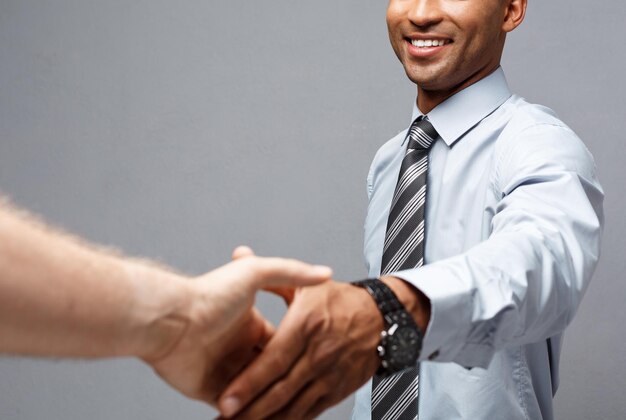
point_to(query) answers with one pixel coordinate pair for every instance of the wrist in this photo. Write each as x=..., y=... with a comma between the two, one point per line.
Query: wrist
x=160, y=313
x=374, y=318
x=414, y=301
x=401, y=339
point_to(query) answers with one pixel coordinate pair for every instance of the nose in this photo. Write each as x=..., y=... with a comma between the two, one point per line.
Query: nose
x=425, y=13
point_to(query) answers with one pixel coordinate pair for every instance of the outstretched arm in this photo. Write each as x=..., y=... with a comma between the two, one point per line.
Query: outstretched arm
x=62, y=297
x=521, y=285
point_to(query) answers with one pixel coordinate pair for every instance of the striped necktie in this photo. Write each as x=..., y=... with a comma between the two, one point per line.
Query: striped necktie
x=395, y=397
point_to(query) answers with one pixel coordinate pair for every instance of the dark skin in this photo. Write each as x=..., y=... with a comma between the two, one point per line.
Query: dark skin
x=474, y=32
x=325, y=347
x=334, y=329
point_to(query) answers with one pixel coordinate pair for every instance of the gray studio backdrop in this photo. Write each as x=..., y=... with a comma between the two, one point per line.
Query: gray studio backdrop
x=178, y=130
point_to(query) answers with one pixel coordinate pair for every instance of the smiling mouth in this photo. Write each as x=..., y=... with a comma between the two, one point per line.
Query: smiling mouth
x=425, y=43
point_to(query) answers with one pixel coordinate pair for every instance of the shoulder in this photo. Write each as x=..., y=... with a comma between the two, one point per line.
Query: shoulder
x=524, y=113
x=534, y=139
x=536, y=131
x=531, y=125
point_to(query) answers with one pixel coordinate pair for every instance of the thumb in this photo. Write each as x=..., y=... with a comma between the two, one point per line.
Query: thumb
x=268, y=272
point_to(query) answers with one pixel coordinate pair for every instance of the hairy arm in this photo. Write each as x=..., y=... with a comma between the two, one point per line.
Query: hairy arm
x=62, y=297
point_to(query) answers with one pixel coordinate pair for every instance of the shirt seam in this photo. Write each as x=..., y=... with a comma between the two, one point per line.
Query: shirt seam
x=500, y=156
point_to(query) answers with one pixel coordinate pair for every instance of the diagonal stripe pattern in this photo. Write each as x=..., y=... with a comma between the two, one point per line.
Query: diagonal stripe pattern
x=395, y=397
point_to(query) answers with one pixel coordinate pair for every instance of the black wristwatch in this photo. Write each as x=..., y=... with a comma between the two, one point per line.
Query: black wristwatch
x=401, y=340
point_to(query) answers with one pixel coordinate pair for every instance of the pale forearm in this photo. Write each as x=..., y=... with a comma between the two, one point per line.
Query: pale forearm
x=61, y=297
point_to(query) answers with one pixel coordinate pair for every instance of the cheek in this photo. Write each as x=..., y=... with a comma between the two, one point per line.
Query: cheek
x=482, y=31
x=395, y=39
x=394, y=11
x=484, y=45
x=476, y=39
x=392, y=29
x=394, y=17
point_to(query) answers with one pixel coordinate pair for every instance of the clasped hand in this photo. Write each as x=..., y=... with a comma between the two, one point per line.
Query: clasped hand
x=323, y=351
x=231, y=357
x=222, y=331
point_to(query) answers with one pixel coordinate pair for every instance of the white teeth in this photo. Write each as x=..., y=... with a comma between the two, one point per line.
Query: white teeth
x=421, y=43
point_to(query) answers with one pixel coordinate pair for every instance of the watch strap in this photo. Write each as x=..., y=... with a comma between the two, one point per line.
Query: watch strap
x=396, y=317
x=388, y=303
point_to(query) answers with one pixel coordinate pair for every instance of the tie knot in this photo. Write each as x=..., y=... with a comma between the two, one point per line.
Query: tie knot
x=421, y=134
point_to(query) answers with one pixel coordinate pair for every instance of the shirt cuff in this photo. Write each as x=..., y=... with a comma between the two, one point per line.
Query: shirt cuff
x=445, y=339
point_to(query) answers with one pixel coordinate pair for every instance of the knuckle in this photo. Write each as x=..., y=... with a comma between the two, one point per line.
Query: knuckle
x=245, y=388
x=327, y=385
x=278, y=364
x=315, y=324
x=281, y=393
x=322, y=357
x=324, y=353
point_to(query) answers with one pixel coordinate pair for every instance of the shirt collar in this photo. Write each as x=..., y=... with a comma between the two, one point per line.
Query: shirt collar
x=465, y=109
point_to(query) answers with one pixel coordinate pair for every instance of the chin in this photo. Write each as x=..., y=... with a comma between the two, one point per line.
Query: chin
x=426, y=77
x=426, y=82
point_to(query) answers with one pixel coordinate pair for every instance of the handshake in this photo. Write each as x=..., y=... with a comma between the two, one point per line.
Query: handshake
x=63, y=297
x=229, y=356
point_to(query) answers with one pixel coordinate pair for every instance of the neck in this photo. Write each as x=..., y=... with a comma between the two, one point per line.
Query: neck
x=428, y=100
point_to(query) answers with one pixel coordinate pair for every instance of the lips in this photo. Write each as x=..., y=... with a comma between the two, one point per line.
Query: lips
x=424, y=46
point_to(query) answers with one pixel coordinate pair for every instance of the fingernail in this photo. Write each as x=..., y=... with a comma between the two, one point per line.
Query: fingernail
x=230, y=406
x=322, y=271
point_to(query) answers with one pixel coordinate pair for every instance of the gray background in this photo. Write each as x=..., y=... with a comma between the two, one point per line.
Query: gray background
x=177, y=130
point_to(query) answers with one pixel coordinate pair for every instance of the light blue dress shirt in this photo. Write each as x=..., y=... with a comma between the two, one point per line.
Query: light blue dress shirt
x=513, y=226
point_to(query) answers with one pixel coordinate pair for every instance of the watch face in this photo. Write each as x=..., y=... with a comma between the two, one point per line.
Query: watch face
x=403, y=347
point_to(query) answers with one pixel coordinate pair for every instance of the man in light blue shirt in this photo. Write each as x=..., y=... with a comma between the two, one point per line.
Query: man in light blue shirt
x=513, y=225
x=513, y=220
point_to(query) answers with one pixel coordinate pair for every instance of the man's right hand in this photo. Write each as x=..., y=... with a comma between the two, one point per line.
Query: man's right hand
x=323, y=351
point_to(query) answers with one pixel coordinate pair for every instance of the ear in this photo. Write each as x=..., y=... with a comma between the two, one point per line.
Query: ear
x=515, y=10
